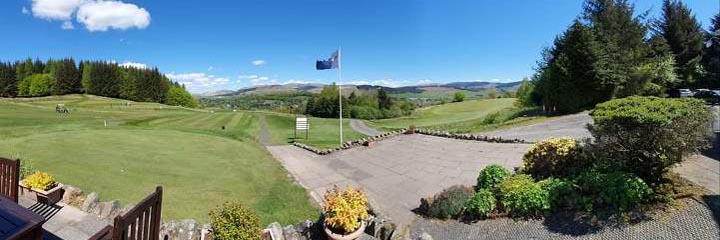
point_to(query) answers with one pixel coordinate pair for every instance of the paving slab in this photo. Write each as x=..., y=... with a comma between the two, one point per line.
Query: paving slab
x=63, y=221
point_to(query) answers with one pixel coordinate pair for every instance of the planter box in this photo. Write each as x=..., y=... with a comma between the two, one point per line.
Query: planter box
x=51, y=196
x=350, y=236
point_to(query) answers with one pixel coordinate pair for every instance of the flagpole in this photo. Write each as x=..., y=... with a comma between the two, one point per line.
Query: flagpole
x=340, y=93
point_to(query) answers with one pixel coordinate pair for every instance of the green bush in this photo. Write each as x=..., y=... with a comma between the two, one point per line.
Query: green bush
x=450, y=202
x=562, y=194
x=490, y=176
x=615, y=190
x=521, y=196
x=648, y=135
x=459, y=96
x=178, y=96
x=234, y=221
x=481, y=204
x=40, y=84
x=552, y=157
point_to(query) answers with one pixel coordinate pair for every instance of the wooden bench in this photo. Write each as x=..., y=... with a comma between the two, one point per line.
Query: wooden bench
x=142, y=222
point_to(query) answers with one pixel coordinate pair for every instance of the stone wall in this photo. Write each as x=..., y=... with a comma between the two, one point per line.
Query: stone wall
x=187, y=229
x=351, y=144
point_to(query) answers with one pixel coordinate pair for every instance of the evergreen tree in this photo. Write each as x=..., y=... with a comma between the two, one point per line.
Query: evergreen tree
x=23, y=69
x=38, y=66
x=711, y=58
x=8, y=83
x=66, y=76
x=384, y=101
x=684, y=35
x=622, y=36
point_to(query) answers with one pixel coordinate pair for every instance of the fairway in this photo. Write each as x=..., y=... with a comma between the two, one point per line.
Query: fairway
x=324, y=132
x=447, y=113
x=199, y=164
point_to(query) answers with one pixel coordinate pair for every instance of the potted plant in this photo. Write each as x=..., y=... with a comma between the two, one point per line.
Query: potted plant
x=345, y=213
x=46, y=189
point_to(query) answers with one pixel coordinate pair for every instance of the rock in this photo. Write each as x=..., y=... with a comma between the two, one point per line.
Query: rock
x=169, y=230
x=73, y=196
x=188, y=229
x=109, y=210
x=90, y=203
x=401, y=233
x=425, y=236
x=290, y=234
x=276, y=230
x=206, y=232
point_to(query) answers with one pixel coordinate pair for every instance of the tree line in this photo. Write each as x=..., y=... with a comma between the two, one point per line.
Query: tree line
x=610, y=51
x=30, y=78
x=365, y=105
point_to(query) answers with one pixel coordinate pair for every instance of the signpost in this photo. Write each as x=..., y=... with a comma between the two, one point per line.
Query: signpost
x=302, y=123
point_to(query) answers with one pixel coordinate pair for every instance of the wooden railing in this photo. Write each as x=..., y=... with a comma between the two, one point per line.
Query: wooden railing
x=9, y=178
x=142, y=222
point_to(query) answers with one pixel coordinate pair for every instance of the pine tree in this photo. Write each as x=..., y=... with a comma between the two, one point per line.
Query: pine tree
x=684, y=35
x=66, y=76
x=622, y=36
x=711, y=58
x=8, y=82
x=384, y=101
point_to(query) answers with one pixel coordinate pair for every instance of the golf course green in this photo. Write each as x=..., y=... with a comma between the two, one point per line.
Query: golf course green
x=122, y=151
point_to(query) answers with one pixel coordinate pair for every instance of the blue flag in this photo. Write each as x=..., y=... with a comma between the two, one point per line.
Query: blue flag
x=331, y=63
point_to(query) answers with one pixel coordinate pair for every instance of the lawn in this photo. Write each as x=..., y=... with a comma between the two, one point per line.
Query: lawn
x=324, y=132
x=447, y=113
x=199, y=164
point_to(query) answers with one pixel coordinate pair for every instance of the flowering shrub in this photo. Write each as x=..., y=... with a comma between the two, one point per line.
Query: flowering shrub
x=40, y=180
x=521, y=196
x=482, y=203
x=345, y=209
x=552, y=157
x=234, y=221
x=490, y=176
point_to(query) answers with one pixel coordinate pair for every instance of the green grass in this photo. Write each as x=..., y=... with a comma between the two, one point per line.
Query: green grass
x=324, y=132
x=447, y=113
x=470, y=116
x=186, y=151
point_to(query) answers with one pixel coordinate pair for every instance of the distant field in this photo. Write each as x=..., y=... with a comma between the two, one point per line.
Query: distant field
x=447, y=113
x=199, y=164
x=324, y=132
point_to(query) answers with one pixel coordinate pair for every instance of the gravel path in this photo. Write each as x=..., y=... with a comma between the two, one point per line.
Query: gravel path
x=361, y=127
x=265, y=134
x=563, y=126
x=698, y=221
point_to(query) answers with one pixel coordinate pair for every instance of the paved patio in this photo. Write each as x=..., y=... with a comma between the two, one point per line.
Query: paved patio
x=63, y=221
x=397, y=172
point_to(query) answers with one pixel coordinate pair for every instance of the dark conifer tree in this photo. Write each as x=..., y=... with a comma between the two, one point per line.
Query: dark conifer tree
x=684, y=35
x=711, y=58
x=8, y=82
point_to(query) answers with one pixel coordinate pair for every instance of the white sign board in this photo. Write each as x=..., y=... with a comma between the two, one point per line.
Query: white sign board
x=301, y=123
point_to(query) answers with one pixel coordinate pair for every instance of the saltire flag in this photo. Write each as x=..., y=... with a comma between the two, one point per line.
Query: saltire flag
x=332, y=62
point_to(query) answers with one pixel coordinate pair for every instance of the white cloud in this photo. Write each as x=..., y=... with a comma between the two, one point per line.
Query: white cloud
x=96, y=15
x=259, y=62
x=256, y=80
x=67, y=25
x=133, y=64
x=198, y=82
x=55, y=9
x=210, y=68
x=104, y=15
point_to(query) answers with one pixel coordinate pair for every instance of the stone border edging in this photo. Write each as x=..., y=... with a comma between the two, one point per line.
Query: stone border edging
x=367, y=141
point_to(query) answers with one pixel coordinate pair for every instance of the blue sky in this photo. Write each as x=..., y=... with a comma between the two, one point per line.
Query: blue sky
x=214, y=45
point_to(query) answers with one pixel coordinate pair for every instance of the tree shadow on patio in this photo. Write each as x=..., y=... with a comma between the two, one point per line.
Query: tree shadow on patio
x=713, y=203
x=569, y=223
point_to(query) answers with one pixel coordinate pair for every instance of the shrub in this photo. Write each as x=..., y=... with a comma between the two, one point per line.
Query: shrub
x=614, y=190
x=650, y=134
x=234, y=221
x=40, y=84
x=562, y=194
x=552, y=157
x=450, y=202
x=482, y=203
x=40, y=180
x=490, y=176
x=521, y=196
x=459, y=96
x=345, y=209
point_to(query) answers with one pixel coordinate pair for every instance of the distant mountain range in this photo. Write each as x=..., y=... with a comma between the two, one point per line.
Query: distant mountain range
x=317, y=87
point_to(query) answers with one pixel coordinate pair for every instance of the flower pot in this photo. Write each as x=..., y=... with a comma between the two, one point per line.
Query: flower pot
x=50, y=196
x=351, y=236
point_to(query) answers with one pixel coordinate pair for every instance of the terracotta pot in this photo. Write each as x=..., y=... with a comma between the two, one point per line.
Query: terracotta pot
x=351, y=236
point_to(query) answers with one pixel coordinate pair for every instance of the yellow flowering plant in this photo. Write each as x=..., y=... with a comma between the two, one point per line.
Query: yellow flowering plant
x=345, y=209
x=40, y=180
x=552, y=157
